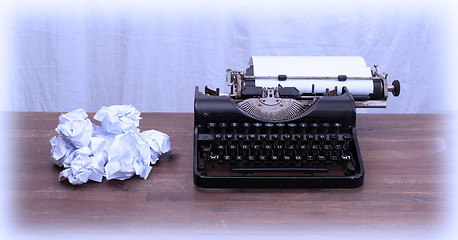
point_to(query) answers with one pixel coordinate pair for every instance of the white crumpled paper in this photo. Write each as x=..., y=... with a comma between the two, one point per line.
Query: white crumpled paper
x=116, y=150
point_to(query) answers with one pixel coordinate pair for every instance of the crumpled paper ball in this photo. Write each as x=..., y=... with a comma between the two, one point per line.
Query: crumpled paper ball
x=114, y=150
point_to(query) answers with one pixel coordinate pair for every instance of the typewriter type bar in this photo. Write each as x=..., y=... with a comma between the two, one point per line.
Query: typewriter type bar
x=283, y=136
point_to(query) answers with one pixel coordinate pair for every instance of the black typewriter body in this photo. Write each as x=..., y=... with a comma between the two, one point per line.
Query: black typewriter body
x=293, y=141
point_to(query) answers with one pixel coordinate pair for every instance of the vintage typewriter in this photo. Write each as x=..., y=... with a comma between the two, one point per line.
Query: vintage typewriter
x=277, y=128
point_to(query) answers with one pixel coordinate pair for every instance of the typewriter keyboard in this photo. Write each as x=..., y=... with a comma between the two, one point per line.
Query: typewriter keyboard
x=313, y=149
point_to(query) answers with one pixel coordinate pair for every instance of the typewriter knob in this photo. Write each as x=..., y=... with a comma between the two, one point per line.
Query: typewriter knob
x=395, y=88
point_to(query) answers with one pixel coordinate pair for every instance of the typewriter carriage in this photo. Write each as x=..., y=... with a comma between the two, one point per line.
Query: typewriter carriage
x=242, y=87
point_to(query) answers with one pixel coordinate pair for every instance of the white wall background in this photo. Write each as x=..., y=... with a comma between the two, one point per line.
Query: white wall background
x=89, y=54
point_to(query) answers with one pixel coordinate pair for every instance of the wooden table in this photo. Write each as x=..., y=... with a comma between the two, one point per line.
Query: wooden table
x=405, y=189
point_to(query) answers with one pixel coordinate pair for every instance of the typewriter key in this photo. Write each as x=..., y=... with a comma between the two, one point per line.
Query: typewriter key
x=303, y=127
x=269, y=127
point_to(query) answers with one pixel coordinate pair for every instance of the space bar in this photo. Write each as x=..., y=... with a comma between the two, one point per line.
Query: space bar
x=309, y=170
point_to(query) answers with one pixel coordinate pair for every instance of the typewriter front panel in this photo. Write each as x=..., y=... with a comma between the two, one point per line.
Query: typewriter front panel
x=317, y=148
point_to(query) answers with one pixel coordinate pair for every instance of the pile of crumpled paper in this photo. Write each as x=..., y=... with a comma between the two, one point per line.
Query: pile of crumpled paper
x=116, y=149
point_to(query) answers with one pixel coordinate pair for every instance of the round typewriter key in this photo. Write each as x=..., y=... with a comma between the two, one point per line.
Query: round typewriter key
x=244, y=150
x=291, y=126
x=280, y=127
x=263, y=136
x=211, y=127
x=315, y=127
x=257, y=127
x=337, y=127
x=246, y=126
x=346, y=139
x=214, y=157
x=338, y=147
x=234, y=127
x=303, y=127
x=223, y=127
x=326, y=127
x=269, y=127
x=298, y=137
x=241, y=137
x=291, y=147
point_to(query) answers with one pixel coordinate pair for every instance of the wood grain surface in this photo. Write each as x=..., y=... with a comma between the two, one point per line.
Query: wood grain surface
x=405, y=189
